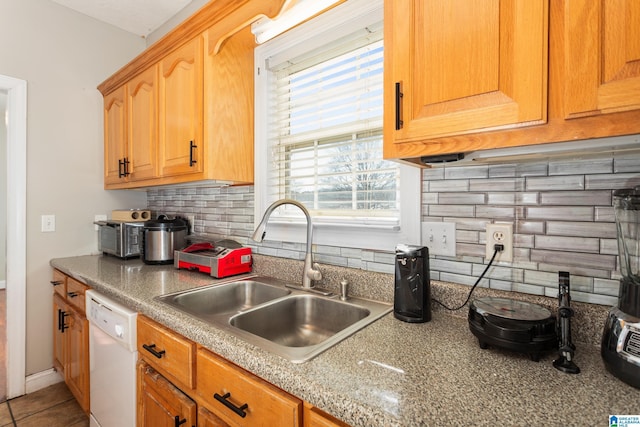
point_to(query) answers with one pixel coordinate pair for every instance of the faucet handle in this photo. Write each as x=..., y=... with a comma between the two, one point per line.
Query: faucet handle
x=315, y=273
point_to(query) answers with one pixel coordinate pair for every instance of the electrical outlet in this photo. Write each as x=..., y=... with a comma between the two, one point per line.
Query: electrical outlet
x=500, y=233
x=439, y=237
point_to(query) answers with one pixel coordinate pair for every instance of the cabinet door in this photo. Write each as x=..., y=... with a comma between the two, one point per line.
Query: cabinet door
x=314, y=417
x=142, y=116
x=602, y=62
x=115, y=126
x=180, y=116
x=60, y=311
x=76, y=370
x=207, y=419
x=228, y=107
x=160, y=403
x=454, y=66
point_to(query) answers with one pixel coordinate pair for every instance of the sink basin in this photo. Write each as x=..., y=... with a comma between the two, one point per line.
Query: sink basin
x=299, y=321
x=291, y=323
x=226, y=298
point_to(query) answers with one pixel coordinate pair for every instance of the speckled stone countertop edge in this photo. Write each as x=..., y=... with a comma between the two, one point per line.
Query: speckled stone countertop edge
x=346, y=380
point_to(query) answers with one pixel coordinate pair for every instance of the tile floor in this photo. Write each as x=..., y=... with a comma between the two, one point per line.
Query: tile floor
x=53, y=406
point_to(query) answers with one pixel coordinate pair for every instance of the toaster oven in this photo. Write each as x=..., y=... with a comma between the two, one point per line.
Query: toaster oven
x=120, y=238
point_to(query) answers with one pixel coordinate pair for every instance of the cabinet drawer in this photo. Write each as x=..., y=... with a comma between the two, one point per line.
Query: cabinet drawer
x=169, y=353
x=59, y=283
x=230, y=392
x=75, y=294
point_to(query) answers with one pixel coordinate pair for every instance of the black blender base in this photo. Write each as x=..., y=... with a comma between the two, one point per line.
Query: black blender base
x=621, y=369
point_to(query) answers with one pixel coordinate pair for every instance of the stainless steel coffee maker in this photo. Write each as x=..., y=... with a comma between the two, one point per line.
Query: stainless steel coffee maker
x=620, y=347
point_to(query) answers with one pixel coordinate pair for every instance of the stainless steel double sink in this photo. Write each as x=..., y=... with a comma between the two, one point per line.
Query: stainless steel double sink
x=294, y=324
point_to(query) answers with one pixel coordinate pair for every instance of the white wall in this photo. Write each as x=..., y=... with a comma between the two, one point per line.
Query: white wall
x=3, y=186
x=63, y=56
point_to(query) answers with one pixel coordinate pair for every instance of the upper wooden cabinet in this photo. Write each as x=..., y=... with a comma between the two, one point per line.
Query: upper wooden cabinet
x=602, y=63
x=115, y=136
x=142, y=125
x=459, y=66
x=180, y=106
x=182, y=111
x=494, y=74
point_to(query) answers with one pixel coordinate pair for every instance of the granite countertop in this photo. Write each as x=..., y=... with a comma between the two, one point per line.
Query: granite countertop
x=391, y=373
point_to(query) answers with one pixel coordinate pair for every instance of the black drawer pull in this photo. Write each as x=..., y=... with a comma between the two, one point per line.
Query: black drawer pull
x=72, y=294
x=238, y=410
x=399, y=95
x=192, y=146
x=56, y=282
x=152, y=349
x=179, y=422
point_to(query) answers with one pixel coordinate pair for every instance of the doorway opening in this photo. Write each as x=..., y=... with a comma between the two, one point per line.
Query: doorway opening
x=16, y=183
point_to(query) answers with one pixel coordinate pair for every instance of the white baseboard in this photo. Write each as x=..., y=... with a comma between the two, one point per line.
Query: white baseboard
x=3, y=284
x=42, y=379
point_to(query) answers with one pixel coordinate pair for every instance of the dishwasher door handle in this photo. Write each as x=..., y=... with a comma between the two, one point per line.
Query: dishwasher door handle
x=152, y=349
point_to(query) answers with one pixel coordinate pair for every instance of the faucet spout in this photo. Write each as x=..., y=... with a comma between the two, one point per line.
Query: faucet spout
x=310, y=271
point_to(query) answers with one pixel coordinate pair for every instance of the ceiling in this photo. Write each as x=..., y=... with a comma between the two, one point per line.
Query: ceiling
x=139, y=17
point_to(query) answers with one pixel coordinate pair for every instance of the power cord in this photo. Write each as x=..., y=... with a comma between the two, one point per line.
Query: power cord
x=496, y=248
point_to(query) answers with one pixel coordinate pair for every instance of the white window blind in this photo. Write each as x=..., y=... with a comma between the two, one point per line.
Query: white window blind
x=318, y=134
x=325, y=131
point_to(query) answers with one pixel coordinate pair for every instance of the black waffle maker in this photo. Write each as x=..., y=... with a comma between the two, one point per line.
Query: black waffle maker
x=513, y=325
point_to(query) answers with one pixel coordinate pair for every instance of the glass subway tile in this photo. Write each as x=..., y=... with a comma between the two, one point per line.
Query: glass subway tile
x=556, y=183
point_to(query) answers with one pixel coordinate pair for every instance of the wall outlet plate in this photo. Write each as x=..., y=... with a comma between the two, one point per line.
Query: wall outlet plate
x=500, y=233
x=439, y=237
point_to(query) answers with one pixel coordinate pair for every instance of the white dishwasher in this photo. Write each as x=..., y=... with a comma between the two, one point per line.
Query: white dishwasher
x=112, y=360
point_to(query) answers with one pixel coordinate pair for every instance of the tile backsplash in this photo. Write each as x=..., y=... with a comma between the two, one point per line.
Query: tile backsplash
x=561, y=211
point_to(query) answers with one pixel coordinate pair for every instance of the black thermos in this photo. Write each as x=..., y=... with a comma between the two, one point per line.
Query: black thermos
x=412, y=294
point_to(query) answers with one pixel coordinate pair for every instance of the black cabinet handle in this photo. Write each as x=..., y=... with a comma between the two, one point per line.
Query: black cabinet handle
x=192, y=146
x=56, y=282
x=120, y=168
x=179, y=422
x=399, y=95
x=72, y=294
x=240, y=410
x=61, y=316
x=125, y=163
x=152, y=349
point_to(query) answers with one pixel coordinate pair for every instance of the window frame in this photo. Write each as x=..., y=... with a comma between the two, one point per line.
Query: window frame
x=341, y=232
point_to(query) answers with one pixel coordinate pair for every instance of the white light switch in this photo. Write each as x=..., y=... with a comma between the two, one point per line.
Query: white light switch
x=439, y=237
x=48, y=223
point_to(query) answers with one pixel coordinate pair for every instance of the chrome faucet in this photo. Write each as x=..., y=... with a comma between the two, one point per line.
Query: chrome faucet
x=310, y=271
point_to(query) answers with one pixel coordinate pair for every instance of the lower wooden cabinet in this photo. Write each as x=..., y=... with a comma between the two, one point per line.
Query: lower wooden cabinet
x=207, y=419
x=223, y=394
x=240, y=398
x=314, y=417
x=160, y=403
x=71, y=336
